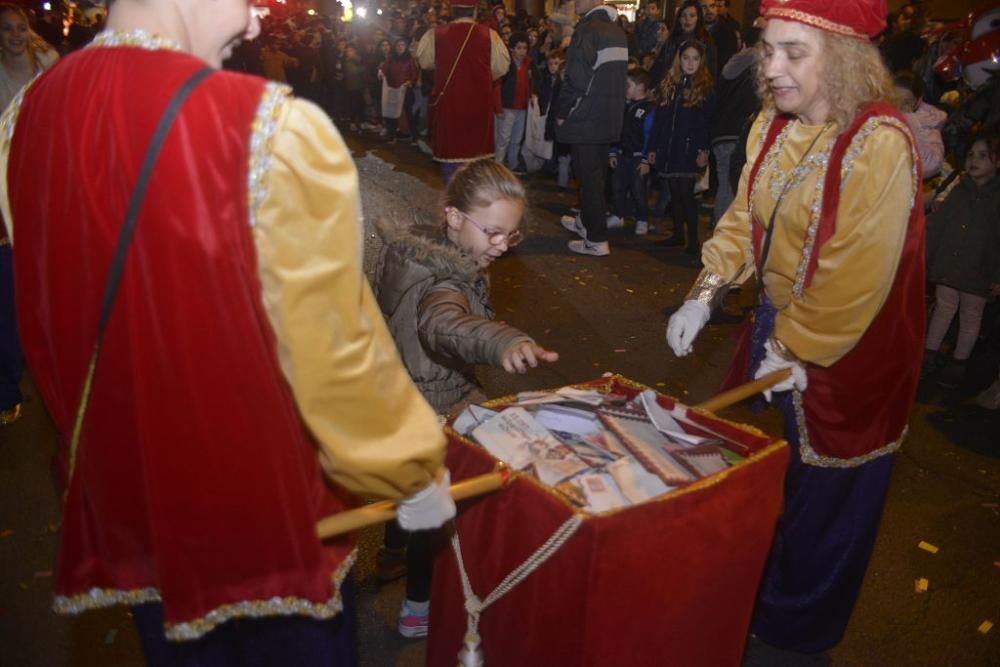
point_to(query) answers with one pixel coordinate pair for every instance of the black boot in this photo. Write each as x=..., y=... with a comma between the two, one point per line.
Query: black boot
x=933, y=360
x=953, y=374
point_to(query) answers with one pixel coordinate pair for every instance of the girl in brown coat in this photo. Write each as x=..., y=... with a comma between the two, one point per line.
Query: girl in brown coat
x=433, y=291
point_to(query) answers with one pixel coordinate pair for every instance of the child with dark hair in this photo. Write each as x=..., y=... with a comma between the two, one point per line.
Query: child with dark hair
x=963, y=259
x=924, y=119
x=548, y=95
x=398, y=75
x=514, y=93
x=628, y=156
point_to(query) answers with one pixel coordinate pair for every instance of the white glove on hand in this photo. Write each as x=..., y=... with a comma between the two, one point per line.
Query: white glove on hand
x=685, y=324
x=774, y=361
x=429, y=508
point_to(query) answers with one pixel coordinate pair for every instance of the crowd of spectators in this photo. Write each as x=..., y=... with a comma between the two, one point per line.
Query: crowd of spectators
x=363, y=73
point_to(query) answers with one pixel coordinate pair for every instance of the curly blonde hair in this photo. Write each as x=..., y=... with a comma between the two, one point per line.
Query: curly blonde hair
x=854, y=75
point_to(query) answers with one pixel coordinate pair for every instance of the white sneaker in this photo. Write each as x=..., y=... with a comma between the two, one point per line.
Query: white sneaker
x=572, y=223
x=990, y=398
x=383, y=132
x=367, y=126
x=614, y=222
x=585, y=247
x=641, y=227
x=424, y=147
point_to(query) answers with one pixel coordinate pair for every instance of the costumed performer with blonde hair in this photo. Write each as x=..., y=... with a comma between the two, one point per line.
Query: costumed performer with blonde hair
x=828, y=219
x=243, y=356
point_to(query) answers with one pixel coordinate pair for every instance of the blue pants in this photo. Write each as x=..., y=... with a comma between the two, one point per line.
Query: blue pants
x=11, y=361
x=823, y=540
x=629, y=183
x=509, y=135
x=255, y=642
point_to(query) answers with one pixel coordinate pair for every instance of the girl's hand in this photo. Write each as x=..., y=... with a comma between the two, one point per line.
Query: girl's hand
x=643, y=168
x=702, y=159
x=526, y=354
x=613, y=161
x=651, y=158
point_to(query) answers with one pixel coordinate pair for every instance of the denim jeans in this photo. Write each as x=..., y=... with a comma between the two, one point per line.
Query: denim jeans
x=627, y=183
x=509, y=134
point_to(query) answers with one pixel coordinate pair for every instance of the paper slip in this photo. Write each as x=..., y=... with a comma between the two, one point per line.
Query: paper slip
x=635, y=482
x=591, y=453
x=537, y=398
x=513, y=436
x=601, y=492
x=704, y=463
x=565, y=418
x=646, y=444
x=471, y=417
x=588, y=396
x=664, y=422
x=506, y=436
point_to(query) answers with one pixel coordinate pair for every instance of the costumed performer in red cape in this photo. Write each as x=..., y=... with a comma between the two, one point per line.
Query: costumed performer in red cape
x=467, y=57
x=828, y=218
x=244, y=355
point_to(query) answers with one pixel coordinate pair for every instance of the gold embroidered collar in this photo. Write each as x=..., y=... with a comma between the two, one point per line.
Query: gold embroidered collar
x=139, y=39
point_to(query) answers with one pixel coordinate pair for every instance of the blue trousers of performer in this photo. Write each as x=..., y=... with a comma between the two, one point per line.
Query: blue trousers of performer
x=274, y=641
x=823, y=541
x=11, y=361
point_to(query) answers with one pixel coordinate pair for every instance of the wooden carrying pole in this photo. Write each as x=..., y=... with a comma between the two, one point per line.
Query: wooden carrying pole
x=383, y=511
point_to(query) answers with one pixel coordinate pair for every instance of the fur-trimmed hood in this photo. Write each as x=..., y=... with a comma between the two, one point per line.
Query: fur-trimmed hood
x=429, y=247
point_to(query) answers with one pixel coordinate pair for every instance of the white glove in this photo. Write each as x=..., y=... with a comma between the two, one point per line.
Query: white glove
x=685, y=324
x=429, y=508
x=774, y=361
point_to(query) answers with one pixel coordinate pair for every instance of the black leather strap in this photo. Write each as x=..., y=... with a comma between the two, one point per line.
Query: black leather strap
x=124, y=241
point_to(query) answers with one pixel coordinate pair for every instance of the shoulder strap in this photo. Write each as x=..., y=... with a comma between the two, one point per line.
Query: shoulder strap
x=472, y=26
x=124, y=240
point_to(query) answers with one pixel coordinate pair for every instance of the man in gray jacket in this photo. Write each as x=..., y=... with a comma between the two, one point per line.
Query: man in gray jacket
x=589, y=115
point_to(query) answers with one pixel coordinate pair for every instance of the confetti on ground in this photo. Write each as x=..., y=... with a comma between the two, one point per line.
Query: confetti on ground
x=620, y=349
x=661, y=384
x=42, y=574
x=109, y=638
x=985, y=627
x=548, y=331
x=928, y=547
x=6, y=532
x=629, y=290
x=920, y=585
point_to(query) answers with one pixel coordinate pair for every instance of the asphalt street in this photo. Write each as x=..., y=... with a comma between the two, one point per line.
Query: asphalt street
x=601, y=315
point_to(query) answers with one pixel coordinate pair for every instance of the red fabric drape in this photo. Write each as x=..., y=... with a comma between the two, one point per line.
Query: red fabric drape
x=668, y=582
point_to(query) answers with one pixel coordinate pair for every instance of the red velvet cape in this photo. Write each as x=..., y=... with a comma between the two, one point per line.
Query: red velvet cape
x=196, y=480
x=462, y=110
x=862, y=402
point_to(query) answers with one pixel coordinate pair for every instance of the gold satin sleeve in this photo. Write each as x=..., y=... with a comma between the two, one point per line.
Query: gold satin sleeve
x=425, y=50
x=377, y=435
x=8, y=119
x=729, y=253
x=857, y=265
x=499, y=56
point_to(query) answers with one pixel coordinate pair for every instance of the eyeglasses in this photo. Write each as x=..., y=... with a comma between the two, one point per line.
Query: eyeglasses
x=495, y=238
